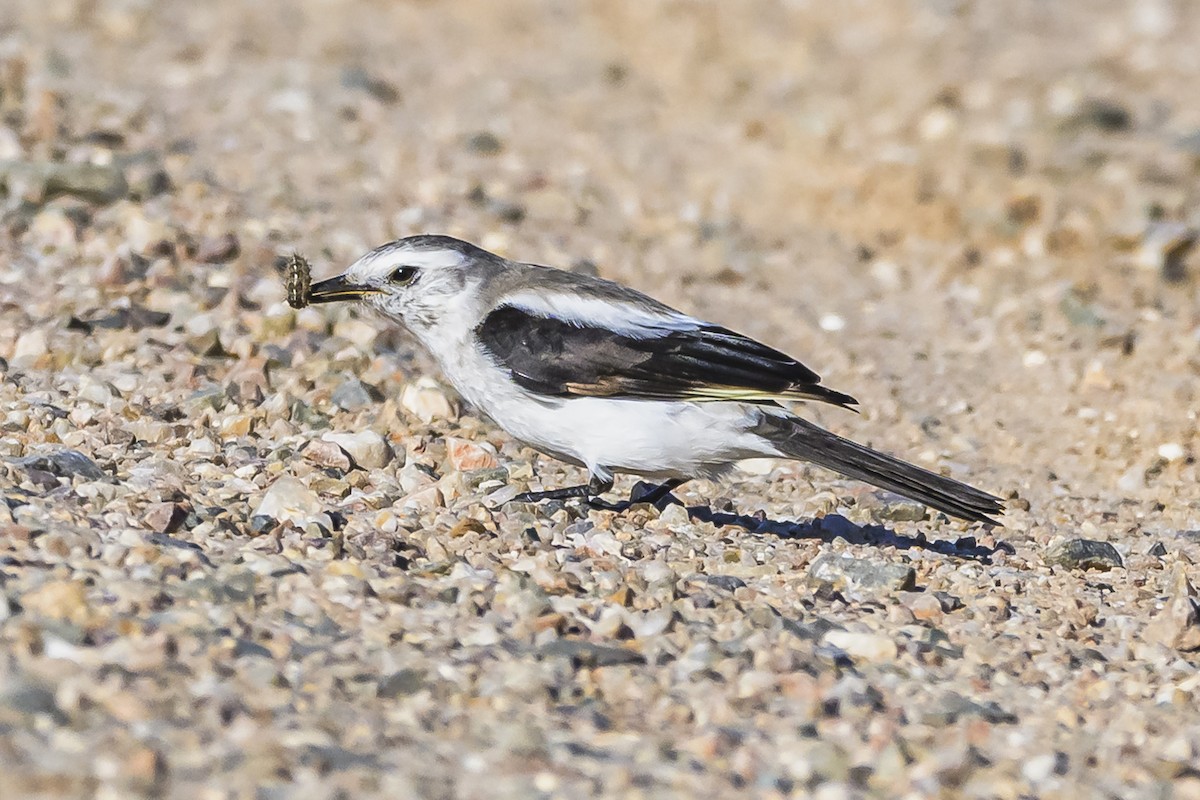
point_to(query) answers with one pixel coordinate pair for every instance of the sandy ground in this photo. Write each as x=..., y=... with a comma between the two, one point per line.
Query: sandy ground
x=975, y=217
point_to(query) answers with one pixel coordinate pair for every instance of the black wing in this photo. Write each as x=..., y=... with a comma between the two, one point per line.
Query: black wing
x=554, y=357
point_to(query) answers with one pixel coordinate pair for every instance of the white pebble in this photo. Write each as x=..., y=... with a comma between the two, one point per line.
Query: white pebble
x=1034, y=358
x=832, y=323
x=864, y=646
x=93, y=390
x=427, y=401
x=758, y=466
x=202, y=446
x=937, y=124
x=289, y=500
x=1038, y=768
x=1133, y=480
x=674, y=515
x=31, y=346
x=368, y=449
x=1171, y=451
x=886, y=273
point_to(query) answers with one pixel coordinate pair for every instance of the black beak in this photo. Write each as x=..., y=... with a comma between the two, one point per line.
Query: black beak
x=335, y=289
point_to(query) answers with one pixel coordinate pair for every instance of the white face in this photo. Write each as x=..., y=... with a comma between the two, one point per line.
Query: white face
x=412, y=284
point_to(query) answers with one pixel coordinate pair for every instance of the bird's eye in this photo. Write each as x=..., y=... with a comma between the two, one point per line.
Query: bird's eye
x=403, y=275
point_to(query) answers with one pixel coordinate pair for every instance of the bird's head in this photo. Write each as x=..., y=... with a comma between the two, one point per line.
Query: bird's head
x=415, y=280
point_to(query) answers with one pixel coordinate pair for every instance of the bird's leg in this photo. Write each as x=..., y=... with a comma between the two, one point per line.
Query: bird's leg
x=643, y=492
x=586, y=491
x=654, y=494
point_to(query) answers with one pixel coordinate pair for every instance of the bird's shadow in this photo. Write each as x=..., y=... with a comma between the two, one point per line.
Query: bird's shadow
x=835, y=526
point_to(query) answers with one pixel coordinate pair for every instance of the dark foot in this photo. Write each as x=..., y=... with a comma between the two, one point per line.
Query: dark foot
x=565, y=493
x=586, y=491
x=658, y=495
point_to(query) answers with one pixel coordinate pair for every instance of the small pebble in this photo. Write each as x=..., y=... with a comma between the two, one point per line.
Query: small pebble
x=467, y=455
x=832, y=323
x=849, y=573
x=1171, y=451
x=289, y=500
x=368, y=449
x=63, y=462
x=1178, y=624
x=327, y=454
x=427, y=400
x=870, y=647
x=353, y=395
x=218, y=249
x=1083, y=554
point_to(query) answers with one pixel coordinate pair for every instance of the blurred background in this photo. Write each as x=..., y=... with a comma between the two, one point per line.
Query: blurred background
x=976, y=217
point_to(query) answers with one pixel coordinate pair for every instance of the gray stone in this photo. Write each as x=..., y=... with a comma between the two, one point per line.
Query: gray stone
x=485, y=143
x=1165, y=247
x=382, y=90
x=1080, y=312
x=1083, y=554
x=31, y=698
x=213, y=397
x=849, y=573
x=401, y=684
x=810, y=630
x=952, y=706
x=148, y=180
x=63, y=463
x=892, y=507
x=218, y=249
x=352, y=395
x=589, y=654
x=1101, y=114
x=39, y=181
x=727, y=582
x=246, y=647
x=207, y=344
x=474, y=478
x=1190, y=143
x=261, y=523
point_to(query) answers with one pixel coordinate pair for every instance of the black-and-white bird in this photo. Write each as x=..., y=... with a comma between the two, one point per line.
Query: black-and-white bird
x=603, y=376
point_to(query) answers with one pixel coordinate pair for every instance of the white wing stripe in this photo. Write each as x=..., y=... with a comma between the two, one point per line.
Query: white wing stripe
x=626, y=319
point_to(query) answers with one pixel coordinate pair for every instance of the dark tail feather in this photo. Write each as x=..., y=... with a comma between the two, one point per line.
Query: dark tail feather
x=798, y=438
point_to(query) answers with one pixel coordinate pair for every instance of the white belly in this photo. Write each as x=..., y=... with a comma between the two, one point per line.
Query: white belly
x=652, y=438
